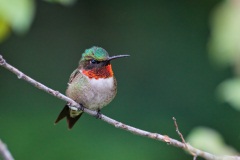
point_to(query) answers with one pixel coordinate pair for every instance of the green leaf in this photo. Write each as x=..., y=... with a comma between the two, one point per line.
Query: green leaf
x=209, y=140
x=4, y=29
x=18, y=14
x=229, y=91
x=224, y=46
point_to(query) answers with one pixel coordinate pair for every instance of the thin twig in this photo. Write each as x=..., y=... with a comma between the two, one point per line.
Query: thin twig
x=113, y=122
x=183, y=140
x=4, y=151
x=178, y=132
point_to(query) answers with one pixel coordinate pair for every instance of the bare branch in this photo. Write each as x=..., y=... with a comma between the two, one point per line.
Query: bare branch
x=117, y=124
x=5, y=152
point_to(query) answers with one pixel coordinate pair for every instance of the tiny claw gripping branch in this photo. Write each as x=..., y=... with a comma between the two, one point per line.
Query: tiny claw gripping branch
x=99, y=114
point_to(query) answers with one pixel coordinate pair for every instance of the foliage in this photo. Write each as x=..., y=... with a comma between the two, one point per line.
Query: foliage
x=18, y=15
x=210, y=140
x=224, y=47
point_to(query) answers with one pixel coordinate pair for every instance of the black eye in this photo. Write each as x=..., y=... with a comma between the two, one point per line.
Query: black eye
x=93, y=61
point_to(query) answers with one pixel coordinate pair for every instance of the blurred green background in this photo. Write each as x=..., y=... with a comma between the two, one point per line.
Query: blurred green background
x=168, y=74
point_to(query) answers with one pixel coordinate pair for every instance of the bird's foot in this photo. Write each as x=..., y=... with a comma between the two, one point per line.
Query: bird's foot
x=81, y=108
x=99, y=114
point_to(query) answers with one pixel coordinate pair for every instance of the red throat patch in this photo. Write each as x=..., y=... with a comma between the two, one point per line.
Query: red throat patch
x=103, y=72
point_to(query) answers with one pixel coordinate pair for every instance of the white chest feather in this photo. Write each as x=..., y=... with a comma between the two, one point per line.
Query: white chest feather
x=101, y=93
x=101, y=83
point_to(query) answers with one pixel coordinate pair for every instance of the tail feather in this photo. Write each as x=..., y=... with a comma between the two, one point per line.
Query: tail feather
x=66, y=113
x=63, y=114
x=71, y=121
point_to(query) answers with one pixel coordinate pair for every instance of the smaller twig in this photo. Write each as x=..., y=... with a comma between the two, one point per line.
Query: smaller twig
x=179, y=133
x=195, y=154
x=5, y=152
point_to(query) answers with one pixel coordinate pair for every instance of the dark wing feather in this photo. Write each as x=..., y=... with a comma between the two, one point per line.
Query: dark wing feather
x=73, y=75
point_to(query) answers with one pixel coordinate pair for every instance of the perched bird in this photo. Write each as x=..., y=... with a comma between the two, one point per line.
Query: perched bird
x=92, y=84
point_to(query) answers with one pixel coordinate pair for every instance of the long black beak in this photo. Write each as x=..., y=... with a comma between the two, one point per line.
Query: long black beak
x=118, y=56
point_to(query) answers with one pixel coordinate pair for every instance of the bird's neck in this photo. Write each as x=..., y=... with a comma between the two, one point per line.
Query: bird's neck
x=101, y=72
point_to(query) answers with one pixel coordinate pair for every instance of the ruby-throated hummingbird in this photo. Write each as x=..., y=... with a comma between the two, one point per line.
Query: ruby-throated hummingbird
x=92, y=84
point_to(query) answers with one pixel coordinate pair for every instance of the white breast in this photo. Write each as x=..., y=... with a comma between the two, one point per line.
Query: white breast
x=101, y=93
x=101, y=83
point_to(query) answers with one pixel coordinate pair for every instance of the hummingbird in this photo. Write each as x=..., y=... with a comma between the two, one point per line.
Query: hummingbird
x=92, y=84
